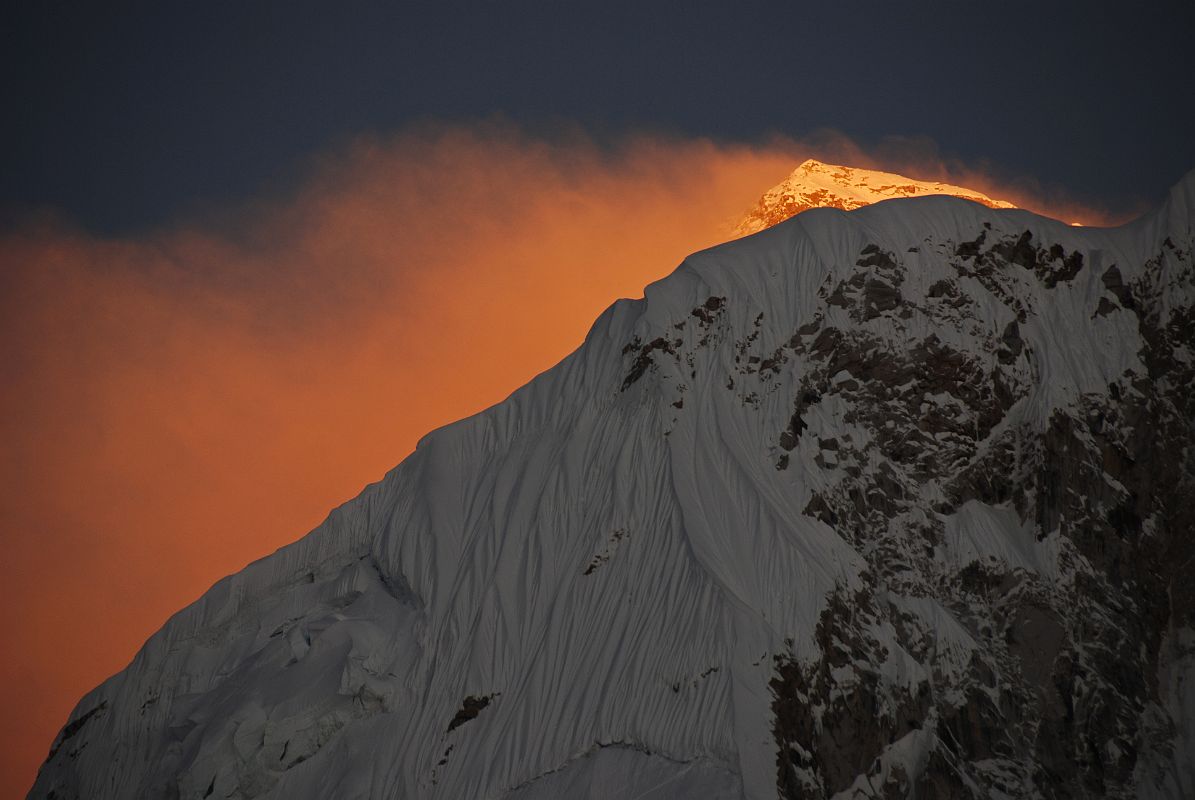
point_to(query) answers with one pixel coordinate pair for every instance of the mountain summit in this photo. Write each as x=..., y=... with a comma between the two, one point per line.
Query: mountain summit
x=815, y=184
x=893, y=502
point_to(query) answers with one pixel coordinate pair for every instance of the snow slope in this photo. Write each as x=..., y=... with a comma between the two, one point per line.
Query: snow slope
x=815, y=184
x=888, y=502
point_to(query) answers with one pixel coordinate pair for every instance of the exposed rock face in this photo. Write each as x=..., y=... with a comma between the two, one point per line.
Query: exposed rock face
x=893, y=503
x=1059, y=690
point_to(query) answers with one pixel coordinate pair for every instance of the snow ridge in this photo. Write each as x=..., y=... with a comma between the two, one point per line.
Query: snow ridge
x=815, y=184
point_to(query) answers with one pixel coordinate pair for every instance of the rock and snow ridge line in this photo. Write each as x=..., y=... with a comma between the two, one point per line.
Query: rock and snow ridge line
x=889, y=501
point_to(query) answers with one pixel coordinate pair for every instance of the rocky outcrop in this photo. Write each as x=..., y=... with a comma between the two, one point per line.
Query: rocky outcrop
x=1060, y=692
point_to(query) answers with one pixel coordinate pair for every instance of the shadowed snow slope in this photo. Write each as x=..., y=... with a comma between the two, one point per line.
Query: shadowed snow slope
x=891, y=501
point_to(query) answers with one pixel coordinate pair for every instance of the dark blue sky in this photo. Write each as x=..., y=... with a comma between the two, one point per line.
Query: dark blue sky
x=128, y=115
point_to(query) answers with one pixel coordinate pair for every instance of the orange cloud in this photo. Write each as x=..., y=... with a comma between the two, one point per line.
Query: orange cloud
x=180, y=403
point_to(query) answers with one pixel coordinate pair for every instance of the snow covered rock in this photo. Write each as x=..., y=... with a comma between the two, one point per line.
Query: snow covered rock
x=893, y=502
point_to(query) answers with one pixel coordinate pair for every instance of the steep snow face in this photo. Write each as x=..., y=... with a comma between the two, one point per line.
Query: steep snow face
x=814, y=184
x=890, y=502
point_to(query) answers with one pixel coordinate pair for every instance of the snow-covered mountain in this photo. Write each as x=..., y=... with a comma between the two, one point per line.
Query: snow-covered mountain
x=815, y=184
x=884, y=503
